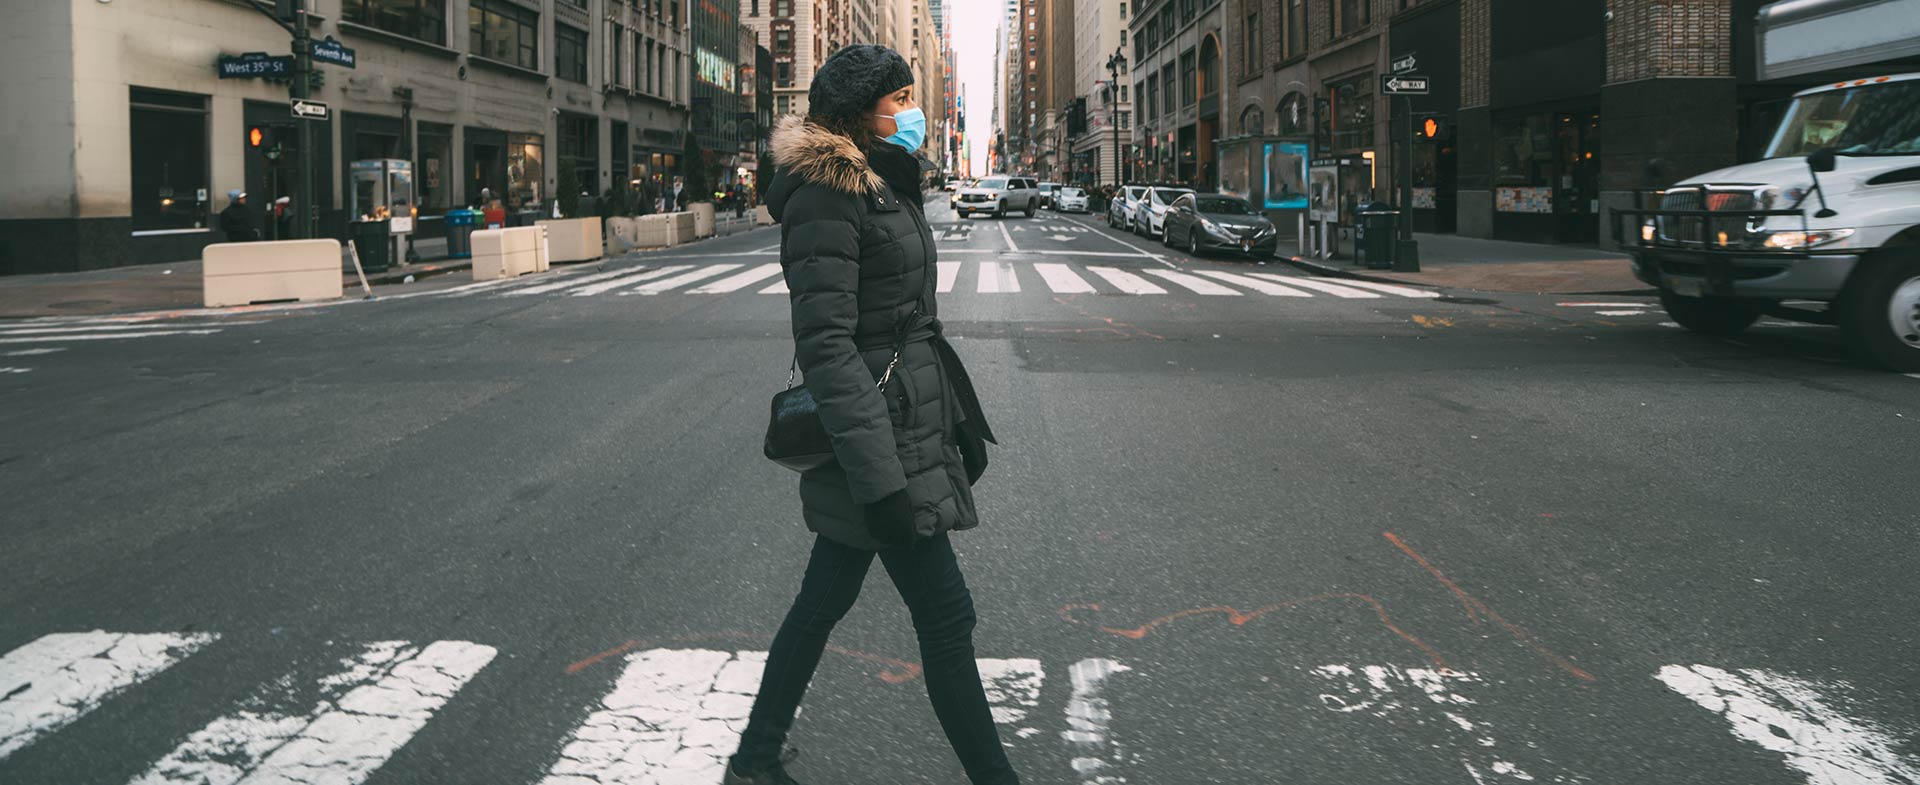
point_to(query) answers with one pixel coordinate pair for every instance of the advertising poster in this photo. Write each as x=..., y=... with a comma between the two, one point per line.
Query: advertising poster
x=1323, y=182
x=1286, y=176
x=1233, y=169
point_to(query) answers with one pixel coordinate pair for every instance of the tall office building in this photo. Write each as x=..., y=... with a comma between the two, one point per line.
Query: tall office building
x=1100, y=32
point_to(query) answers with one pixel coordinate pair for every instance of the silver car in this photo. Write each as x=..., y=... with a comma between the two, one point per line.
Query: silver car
x=1069, y=199
x=997, y=195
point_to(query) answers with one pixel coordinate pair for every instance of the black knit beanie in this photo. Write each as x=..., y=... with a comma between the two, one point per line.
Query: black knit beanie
x=852, y=79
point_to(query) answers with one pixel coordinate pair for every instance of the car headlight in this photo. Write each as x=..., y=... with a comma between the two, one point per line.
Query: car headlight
x=1787, y=241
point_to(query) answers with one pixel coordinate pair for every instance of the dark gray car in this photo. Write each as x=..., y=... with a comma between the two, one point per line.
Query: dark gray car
x=1206, y=222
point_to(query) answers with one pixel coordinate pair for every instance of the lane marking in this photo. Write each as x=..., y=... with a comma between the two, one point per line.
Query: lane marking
x=32, y=352
x=688, y=277
x=946, y=273
x=338, y=730
x=1256, y=284
x=1403, y=291
x=778, y=287
x=627, y=280
x=1009, y=236
x=674, y=715
x=554, y=286
x=1061, y=280
x=1603, y=305
x=741, y=280
x=1334, y=289
x=476, y=287
x=1142, y=251
x=1126, y=281
x=1088, y=715
x=1197, y=284
x=1391, y=693
x=103, y=336
x=1619, y=313
x=1789, y=716
x=739, y=254
x=773, y=247
x=1013, y=692
x=11, y=369
x=108, y=328
x=996, y=278
x=56, y=679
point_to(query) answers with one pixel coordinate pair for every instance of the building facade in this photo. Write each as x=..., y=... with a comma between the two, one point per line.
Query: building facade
x=1101, y=32
x=1178, y=91
x=478, y=94
x=798, y=33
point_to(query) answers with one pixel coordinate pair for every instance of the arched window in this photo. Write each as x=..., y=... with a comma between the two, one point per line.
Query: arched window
x=1253, y=122
x=1209, y=65
x=1292, y=114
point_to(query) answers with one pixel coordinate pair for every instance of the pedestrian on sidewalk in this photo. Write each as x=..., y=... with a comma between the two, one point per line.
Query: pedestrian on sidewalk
x=237, y=220
x=858, y=259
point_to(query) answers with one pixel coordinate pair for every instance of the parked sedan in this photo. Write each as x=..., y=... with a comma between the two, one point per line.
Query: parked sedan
x=1200, y=222
x=1069, y=199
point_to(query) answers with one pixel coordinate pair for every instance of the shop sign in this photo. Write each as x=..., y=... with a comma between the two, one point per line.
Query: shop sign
x=331, y=51
x=1399, y=84
x=252, y=64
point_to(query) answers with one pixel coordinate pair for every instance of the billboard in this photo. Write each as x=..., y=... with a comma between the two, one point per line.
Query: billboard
x=1286, y=175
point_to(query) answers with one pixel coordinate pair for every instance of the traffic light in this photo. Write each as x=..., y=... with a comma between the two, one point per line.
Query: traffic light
x=1432, y=126
x=259, y=137
x=270, y=139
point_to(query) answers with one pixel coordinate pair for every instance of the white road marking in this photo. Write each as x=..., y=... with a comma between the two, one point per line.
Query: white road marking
x=673, y=716
x=778, y=287
x=653, y=258
x=627, y=280
x=1619, y=313
x=1334, y=289
x=997, y=277
x=476, y=287
x=1115, y=254
x=1789, y=716
x=1263, y=287
x=12, y=369
x=1126, y=281
x=337, y=731
x=973, y=250
x=1142, y=251
x=1088, y=715
x=103, y=336
x=32, y=352
x=1912, y=375
x=1391, y=693
x=1004, y=233
x=108, y=328
x=688, y=277
x=1061, y=280
x=773, y=247
x=946, y=273
x=1602, y=305
x=740, y=280
x=1013, y=691
x=1403, y=291
x=57, y=678
x=1197, y=284
x=554, y=286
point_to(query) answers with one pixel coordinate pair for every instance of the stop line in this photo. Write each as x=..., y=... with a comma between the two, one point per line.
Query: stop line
x=673, y=715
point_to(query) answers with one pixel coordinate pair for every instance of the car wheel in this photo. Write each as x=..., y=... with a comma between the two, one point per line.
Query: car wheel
x=1031, y=207
x=1000, y=210
x=1717, y=316
x=1880, y=314
x=1193, y=243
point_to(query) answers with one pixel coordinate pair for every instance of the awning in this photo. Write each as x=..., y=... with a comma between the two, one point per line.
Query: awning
x=1808, y=36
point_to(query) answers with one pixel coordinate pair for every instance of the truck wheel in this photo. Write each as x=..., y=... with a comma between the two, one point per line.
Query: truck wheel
x=1001, y=210
x=1030, y=208
x=1709, y=315
x=1881, y=311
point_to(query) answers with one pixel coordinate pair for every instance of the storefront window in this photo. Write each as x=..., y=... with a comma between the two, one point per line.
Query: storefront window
x=1523, y=152
x=169, y=152
x=580, y=146
x=436, y=168
x=525, y=154
x=500, y=30
x=425, y=20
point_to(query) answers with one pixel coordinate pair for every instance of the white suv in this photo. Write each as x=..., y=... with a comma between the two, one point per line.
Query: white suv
x=998, y=194
x=1150, y=211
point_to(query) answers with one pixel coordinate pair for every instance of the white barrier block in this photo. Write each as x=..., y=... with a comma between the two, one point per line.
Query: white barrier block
x=243, y=273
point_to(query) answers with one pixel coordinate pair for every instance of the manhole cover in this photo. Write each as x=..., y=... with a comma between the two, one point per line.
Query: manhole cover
x=80, y=304
x=1466, y=301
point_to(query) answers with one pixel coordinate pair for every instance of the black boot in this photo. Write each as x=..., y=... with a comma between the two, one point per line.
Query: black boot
x=775, y=775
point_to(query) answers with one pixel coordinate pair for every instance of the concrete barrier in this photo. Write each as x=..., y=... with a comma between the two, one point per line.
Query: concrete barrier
x=702, y=219
x=506, y=253
x=762, y=216
x=244, y=273
x=575, y=239
x=623, y=234
x=662, y=230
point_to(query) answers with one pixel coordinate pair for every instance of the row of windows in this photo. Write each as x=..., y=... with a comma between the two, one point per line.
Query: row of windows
x=497, y=29
x=782, y=9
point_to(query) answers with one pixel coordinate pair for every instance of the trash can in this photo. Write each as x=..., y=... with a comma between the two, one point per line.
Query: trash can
x=370, y=241
x=460, y=225
x=1373, y=234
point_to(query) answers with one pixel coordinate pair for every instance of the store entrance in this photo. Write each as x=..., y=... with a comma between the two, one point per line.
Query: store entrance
x=1576, y=187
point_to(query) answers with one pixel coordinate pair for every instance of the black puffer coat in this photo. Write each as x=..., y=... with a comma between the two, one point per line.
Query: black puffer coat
x=858, y=256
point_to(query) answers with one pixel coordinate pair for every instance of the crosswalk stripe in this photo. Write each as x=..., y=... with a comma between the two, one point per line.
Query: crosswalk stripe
x=1334, y=289
x=1789, y=716
x=997, y=277
x=1390, y=692
x=569, y=282
x=778, y=287
x=682, y=279
x=947, y=272
x=112, y=328
x=1403, y=291
x=674, y=715
x=477, y=287
x=1263, y=287
x=102, y=336
x=1197, y=284
x=57, y=678
x=1088, y=715
x=631, y=278
x=1126, y=281
x=1013, y=692
x=1061, y=279
x=362, y=716
x=739, y=280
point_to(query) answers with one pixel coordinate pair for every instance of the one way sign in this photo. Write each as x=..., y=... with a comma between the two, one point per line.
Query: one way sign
x=1403, y=85
x=309, y=110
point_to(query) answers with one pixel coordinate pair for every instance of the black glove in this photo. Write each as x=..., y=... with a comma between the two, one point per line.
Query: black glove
x=890, y=519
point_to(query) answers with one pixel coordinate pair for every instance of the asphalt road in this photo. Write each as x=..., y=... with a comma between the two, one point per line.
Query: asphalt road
x=1242, y=530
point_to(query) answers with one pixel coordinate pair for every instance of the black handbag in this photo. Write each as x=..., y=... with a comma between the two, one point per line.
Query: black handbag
x=796, y=438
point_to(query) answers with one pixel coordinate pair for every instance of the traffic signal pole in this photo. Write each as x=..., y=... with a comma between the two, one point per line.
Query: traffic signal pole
x=306, y=214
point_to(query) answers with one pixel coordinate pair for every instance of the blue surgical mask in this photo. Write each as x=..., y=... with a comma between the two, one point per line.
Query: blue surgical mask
x=910, y=129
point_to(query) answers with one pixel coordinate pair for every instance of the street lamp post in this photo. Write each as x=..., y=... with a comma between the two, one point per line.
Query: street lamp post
x=1115, y=63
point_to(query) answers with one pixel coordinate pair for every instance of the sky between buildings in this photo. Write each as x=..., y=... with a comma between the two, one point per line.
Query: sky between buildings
x=974, y=26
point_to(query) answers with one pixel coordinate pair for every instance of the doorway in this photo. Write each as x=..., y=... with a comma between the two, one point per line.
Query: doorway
x=1576, y=188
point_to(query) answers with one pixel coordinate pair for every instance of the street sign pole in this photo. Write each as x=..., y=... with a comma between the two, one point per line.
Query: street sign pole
x=306, y=213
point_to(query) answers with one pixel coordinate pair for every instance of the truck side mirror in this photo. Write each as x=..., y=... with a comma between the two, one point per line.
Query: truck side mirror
x=1821, y=160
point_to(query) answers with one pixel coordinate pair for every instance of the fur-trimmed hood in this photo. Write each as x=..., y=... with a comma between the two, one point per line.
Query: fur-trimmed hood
x=816, y=155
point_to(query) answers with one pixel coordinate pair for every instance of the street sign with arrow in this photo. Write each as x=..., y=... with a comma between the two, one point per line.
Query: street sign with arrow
x=1404, y=64
x=309, y=110
x=1403, y=85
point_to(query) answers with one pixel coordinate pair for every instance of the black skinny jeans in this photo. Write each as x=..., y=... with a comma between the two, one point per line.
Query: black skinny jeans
x=928, y=578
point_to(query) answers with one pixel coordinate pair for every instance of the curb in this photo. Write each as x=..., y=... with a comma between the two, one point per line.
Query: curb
x=1332, y=271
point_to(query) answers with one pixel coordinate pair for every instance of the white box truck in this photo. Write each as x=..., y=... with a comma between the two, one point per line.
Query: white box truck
x=1826, y=228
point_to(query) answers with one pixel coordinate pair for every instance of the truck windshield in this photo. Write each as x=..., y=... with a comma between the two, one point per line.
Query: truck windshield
x=1882, y=119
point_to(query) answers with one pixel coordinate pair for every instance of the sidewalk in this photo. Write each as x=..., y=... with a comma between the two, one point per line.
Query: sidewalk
x=1453, y=261
x=176, y=285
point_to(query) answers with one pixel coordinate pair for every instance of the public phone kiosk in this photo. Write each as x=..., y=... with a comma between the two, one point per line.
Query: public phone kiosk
x=383, y=190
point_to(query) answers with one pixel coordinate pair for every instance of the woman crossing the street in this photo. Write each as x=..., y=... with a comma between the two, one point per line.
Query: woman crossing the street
x=906, y=429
